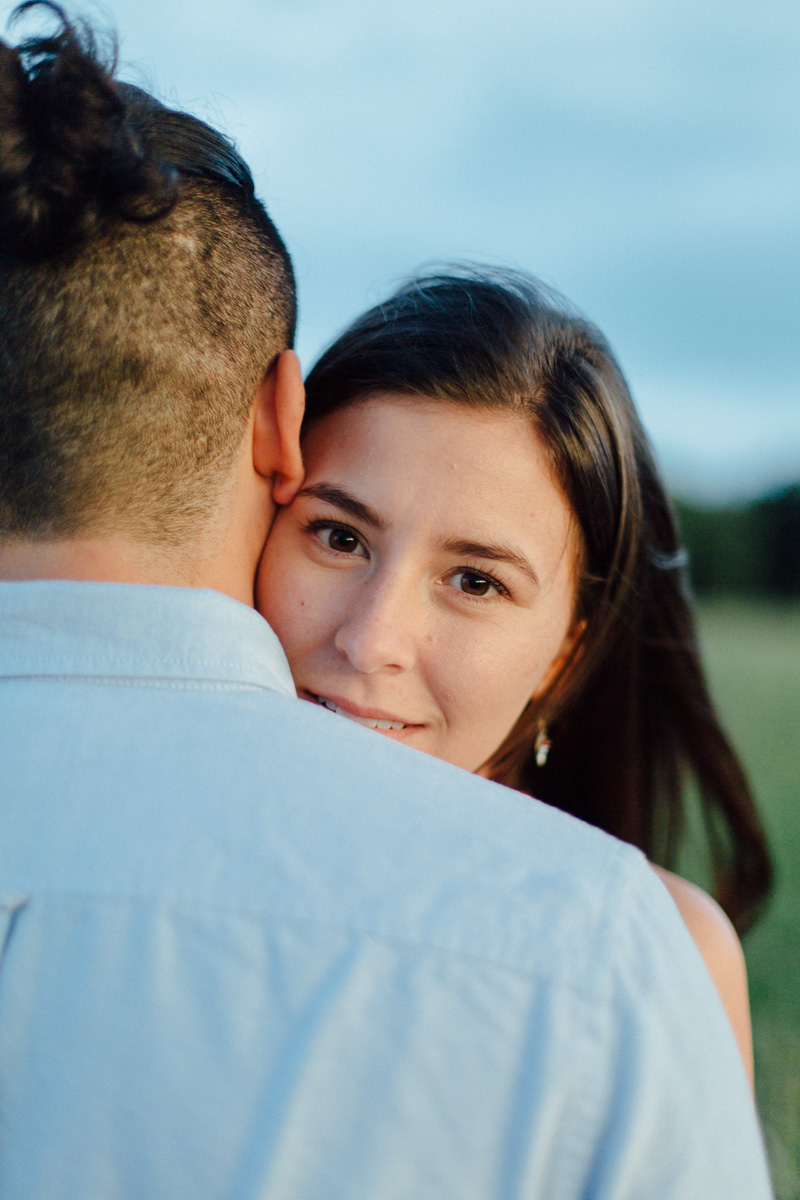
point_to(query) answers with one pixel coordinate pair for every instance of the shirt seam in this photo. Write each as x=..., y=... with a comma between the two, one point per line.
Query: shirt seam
x=588, y=1098
x=155, y=681
x=191, y=906
x=111, y=659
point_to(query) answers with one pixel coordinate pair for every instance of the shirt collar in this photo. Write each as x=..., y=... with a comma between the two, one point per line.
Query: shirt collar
x=52, y=627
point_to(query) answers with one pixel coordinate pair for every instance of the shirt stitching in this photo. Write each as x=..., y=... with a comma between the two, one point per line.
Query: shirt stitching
x=195, y=908
x=157, y=681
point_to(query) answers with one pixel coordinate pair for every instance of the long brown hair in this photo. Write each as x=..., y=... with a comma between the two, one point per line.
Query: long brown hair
x=630, y=716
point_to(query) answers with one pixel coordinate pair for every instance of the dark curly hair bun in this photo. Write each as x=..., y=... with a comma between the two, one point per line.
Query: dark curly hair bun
x=70, y=151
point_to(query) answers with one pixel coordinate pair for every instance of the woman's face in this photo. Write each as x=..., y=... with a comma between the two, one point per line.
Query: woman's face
x=423, y=581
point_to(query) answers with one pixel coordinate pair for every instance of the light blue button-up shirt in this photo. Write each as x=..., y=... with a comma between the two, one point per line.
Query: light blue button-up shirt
x=252, y=950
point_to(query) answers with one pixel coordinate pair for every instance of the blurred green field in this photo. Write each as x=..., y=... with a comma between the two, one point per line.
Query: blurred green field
x=752, y=652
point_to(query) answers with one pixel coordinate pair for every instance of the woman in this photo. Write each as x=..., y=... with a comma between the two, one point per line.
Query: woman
x=483, y=564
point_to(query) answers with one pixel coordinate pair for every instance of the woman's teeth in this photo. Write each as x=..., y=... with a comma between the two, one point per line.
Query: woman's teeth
x=369, y=722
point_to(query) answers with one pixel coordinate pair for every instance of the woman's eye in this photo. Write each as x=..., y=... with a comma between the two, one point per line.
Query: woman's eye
x=473, y=583
x=343, y=541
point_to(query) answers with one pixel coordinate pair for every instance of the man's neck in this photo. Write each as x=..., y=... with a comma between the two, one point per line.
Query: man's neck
x=115, y=559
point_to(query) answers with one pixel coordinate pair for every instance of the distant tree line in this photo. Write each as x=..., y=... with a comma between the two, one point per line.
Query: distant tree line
x=745, y=549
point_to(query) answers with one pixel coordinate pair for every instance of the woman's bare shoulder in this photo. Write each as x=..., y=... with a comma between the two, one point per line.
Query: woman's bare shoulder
x=706, y=921
x=718, y=943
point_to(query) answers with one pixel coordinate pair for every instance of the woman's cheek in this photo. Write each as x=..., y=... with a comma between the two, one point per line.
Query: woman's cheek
x=293, y=616
x=472, y=682
x=507, y=688
x=283, y=589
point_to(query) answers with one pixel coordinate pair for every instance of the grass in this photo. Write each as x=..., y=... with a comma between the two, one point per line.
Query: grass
x=752, y=652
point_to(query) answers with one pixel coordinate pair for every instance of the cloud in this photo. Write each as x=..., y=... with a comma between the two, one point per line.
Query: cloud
x=642, y=157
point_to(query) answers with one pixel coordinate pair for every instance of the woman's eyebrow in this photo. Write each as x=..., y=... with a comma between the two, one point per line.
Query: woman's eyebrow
x=348, y=503
x=494, y=552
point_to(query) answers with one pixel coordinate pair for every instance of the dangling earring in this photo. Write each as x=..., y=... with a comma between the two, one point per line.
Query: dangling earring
x=542, y=744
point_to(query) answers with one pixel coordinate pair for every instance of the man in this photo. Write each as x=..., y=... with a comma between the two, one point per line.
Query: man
x=251, y=950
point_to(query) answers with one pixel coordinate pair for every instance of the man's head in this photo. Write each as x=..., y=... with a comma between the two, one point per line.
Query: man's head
x=145, y=296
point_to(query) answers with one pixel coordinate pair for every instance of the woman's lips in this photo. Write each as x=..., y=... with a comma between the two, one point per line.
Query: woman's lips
x=371, y=718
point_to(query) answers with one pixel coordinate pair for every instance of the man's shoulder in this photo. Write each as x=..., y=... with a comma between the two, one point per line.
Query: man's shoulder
x=259, y=868
x=247, y=798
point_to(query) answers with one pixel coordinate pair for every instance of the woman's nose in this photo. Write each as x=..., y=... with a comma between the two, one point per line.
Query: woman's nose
x=377, y=633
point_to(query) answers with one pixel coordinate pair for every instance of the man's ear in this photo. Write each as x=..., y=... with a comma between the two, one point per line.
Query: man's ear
x=279, y=404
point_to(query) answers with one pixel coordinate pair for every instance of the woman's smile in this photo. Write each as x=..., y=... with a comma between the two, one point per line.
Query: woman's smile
x=423, y=581
x=370, y=718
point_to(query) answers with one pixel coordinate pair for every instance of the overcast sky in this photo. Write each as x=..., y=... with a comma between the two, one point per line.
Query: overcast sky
x=640, y=155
